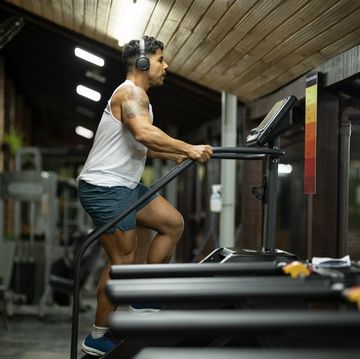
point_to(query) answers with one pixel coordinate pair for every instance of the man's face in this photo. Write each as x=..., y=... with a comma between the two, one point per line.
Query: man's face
x=157, y=70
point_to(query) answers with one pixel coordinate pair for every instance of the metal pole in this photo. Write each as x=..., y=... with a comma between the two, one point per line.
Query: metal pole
x=228, y=175
x=270, y=201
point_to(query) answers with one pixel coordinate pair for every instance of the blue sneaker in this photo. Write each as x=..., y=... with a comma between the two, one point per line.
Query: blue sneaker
x=98, y=346
x=146, y=308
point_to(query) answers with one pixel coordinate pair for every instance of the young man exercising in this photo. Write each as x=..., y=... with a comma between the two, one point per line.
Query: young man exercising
x=109, y=181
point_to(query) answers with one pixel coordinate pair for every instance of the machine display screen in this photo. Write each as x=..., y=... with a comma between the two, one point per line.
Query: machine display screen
x=259, y=134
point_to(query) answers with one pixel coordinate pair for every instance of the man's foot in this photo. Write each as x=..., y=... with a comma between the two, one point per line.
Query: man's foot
x=98, y=346
x=146, y=308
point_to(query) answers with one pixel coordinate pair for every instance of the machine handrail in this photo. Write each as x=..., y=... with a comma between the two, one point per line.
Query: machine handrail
x=234, y=153
x=249, y=150
x=218, y=153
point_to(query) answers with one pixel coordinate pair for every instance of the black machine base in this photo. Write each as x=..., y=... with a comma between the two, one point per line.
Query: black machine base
x=233, y=255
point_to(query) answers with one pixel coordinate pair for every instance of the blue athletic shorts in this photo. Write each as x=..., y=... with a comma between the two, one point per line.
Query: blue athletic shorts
x=104, y=204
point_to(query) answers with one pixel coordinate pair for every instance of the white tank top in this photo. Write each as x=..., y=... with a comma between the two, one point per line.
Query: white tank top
x=116, y=158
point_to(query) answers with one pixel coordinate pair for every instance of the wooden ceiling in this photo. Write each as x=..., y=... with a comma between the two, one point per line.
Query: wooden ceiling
x=246, y=47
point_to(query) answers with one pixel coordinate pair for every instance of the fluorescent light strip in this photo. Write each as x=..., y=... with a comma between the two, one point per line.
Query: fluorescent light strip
x=95, y=76
x=87, y=92
x=88, y=56
x=84, y=132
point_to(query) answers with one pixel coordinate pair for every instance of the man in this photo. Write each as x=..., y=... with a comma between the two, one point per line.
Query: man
x=109, y=180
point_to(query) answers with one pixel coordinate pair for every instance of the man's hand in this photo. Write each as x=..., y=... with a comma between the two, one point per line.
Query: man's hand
x=200, y=153
x=180, y=158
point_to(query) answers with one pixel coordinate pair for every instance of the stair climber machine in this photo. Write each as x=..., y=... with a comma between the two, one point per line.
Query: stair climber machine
x=268, y=132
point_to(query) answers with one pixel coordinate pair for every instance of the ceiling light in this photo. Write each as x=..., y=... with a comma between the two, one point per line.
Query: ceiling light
x=88, y=56
x=95, y=76
x=87, y=92
x=84, y=132
x=132, y=20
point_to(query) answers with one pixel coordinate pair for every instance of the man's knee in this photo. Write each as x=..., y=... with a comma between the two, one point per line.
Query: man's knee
x=175, y=225
x=180, y=223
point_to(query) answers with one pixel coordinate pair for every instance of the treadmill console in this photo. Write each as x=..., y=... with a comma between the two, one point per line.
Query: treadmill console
x=270, y=125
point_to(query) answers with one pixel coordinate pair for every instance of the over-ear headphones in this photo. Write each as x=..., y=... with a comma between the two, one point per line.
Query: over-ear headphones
x=142, y=62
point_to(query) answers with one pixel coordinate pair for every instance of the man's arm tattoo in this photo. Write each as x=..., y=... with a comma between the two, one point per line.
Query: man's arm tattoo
x=135, y=105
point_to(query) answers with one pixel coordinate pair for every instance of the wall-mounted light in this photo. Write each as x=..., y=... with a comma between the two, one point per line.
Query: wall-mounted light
x=284, y=169
x=88, y=56
x=84, y=132
x=88, y=93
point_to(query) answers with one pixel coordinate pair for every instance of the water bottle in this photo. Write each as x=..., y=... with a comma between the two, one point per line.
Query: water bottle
x=215, y=198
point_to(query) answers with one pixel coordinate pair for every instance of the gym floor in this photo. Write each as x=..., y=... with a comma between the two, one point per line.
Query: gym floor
x=28, y=337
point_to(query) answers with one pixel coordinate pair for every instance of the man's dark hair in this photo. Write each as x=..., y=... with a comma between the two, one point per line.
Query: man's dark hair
x=131, y=50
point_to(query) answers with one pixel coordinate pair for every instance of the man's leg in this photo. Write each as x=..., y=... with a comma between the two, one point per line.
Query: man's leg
x=144, y=238
x=120, y=248
x=163, y=218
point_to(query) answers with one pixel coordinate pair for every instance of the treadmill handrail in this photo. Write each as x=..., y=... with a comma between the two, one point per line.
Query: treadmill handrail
x=201, y=289
x=188, y=323
x=174, y=270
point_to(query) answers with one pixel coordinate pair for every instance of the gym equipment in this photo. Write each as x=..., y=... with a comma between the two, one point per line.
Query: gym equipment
x=229, y=290
x=209, y=322
x=234, y=328
x=349, y=275
x=218, y=153
x=210, y=284
x=240, y=329
x=273, y=124
x=268, y=133
x=181, y=283
x=33, y=193
x=175, y=270
x=235, y=353
x=33, y=266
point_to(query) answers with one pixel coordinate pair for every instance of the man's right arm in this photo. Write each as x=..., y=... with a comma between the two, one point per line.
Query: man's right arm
x=135, y=115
